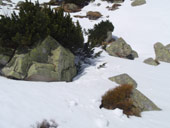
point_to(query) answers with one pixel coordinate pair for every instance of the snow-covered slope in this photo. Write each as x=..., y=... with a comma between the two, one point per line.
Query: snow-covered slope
x=76, y=104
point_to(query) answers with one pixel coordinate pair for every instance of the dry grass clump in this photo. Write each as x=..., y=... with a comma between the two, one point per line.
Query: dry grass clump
x=46, y=124
x=120, y=97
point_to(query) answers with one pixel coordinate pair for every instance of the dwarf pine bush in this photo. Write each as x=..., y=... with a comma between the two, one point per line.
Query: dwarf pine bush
x=99, y=33
x=34, y=23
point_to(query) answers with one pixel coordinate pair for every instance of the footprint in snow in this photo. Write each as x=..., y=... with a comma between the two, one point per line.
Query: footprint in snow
x=102, y=123
x=72, y=103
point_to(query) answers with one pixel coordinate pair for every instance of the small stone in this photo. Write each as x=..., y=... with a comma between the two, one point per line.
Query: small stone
x=138, y=2
x=151, y=61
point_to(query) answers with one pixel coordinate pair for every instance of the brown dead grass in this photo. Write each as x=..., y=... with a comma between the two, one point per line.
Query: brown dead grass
x=120, y=97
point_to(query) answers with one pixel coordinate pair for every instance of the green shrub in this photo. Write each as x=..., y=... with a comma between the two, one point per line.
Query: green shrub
x=119, y=97
x=34, y=23
x=99, y=33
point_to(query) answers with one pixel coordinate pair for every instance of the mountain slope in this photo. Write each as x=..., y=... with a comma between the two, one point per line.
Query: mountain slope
x=76, y=104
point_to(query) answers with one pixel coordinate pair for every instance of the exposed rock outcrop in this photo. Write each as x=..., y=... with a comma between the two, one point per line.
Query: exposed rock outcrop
x=120, y=48
x=49, y=61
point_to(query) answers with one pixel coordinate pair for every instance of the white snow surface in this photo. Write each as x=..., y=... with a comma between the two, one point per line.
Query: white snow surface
x=76, y=104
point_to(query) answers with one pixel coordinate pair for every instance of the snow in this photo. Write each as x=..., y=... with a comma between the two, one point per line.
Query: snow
x=76, y=104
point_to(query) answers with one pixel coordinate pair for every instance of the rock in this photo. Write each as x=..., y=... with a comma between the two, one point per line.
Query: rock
x=120, y=48
x=130, y=100
x=134, y=54
x=98, y=4
x=162, y=52
x=141, y=102
x=70, y=7
x=138, y=2
x=42, y=72
x=5, y=56
x=168, y=46
x=79, y=16
x=0, y=2
x=20, y=3
x=109, y=36
x=54, y=2
x=151, y=61
x=93, y=15
x=17, y=67
x=49, y=61
x=124, y=79
x=118, y=1
x=114, y=7
x=4, y=60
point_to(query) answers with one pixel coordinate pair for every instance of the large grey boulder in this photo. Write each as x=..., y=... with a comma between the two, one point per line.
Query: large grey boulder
x=120, y=48
x=124, y=79
x=162, y=52
x=143, y=103
x=138, y=2
x=151, y=61
x=49, y=61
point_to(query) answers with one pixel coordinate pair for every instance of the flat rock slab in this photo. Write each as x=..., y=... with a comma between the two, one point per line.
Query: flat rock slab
x=143, y=103
x=124, y=79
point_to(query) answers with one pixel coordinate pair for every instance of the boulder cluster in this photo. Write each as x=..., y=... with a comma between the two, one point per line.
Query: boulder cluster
x=49, y=61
